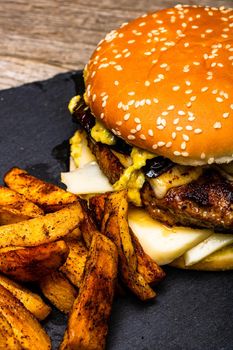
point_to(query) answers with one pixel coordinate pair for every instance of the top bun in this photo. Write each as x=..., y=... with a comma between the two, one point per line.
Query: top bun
x=163, y=82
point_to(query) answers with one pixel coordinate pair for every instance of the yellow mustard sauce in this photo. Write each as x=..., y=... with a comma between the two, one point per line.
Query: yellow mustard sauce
x=100, y=134
x=133, y=178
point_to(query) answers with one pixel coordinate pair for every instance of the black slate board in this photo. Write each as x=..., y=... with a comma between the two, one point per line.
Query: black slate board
x=193, y=311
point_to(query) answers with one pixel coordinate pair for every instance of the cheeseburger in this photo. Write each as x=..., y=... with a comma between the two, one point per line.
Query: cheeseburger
x=158, y=117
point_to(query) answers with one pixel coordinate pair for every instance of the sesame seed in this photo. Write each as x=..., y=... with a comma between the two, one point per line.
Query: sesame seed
x=203, y=155
x=150, y=132
x=185, y=154
x=148, y=101
x=204, y=89
x=155, y=146
x=102, y=116
x=93, y=97
x=188, y=91
x=173, y=135
x=181, y=113
x=179, y=128
x=197, y=131
x=183, y=145
x=185, y=137
x=131, y=93
x=137, y=120
x=189, y=127
x=219, y=99
x=133, y=131
x=131, y=137
x=138, y=127
x=170, y=108
x=155, y=100
x=142, y=137
x=176, y=153
x=126, y=116
x=161, y=143
x=119, y=123
x=217, y=125
x=176, y=121
x=116, y=82
x=176, y=88
x=147, y=83
x=193, y=98
x=226, y=115
x=168, y=144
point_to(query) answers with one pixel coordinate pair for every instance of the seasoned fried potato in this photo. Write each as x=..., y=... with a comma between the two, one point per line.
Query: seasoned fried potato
x=88, y=321
x=87, y=226
x=74, y=265
x=74, y=235
x=14, y=207
x=148, y=268
x=115, y=226
x=33, y=263
x=59, y=291
x=7, y=338
x=49, y=197
x=45, y=229
x=25, y=326
x=30, y=300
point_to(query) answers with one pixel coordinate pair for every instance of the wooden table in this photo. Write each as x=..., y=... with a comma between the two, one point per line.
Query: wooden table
x=39, y=39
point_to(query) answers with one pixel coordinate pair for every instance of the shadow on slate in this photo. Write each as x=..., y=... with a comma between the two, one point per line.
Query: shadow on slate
x=193, y=311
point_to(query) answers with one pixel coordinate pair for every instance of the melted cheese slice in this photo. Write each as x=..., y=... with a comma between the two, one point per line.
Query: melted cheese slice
x=162, y=243
x=210, y=245
x=86, y=180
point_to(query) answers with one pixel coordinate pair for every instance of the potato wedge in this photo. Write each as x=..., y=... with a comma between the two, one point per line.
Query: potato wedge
x=88, y=321
x=97, y=204
x=74, y=235
x=59, y=291
x=33, y=263
x=7, y=338
x=14, y=207
x=47, y=196
x=74, y=265
x=30, y=300
x=25, y=326
x=45, y=229
x=87, y=226
x=148, y=268
x=115, y=226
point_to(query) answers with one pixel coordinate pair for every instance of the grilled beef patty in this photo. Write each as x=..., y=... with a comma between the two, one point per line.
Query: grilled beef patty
x=206, y=202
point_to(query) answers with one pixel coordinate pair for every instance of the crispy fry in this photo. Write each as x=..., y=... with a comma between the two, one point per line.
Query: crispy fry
x=148, y=268
x=33, y=263
x=74, y=266
x=45, y=229
x=30, y=300
x=97, y=204
x=14, y=207
x=115, y=226
x=88, y=227
x=74, y=235
x=87, y=325
x=25, y=326
x=59, y=291
x=7, y=338
x=49, y=197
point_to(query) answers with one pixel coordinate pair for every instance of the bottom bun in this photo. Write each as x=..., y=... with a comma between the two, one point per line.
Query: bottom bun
x=219, y=261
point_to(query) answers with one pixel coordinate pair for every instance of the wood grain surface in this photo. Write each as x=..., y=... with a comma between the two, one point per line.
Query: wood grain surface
x=39, y=39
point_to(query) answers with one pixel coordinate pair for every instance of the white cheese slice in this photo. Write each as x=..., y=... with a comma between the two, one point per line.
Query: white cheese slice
x=210, y=245
x=86, y=180
x=162, y=243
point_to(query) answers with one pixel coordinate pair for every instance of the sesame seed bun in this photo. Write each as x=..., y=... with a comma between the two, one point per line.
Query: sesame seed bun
x=163, y=82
